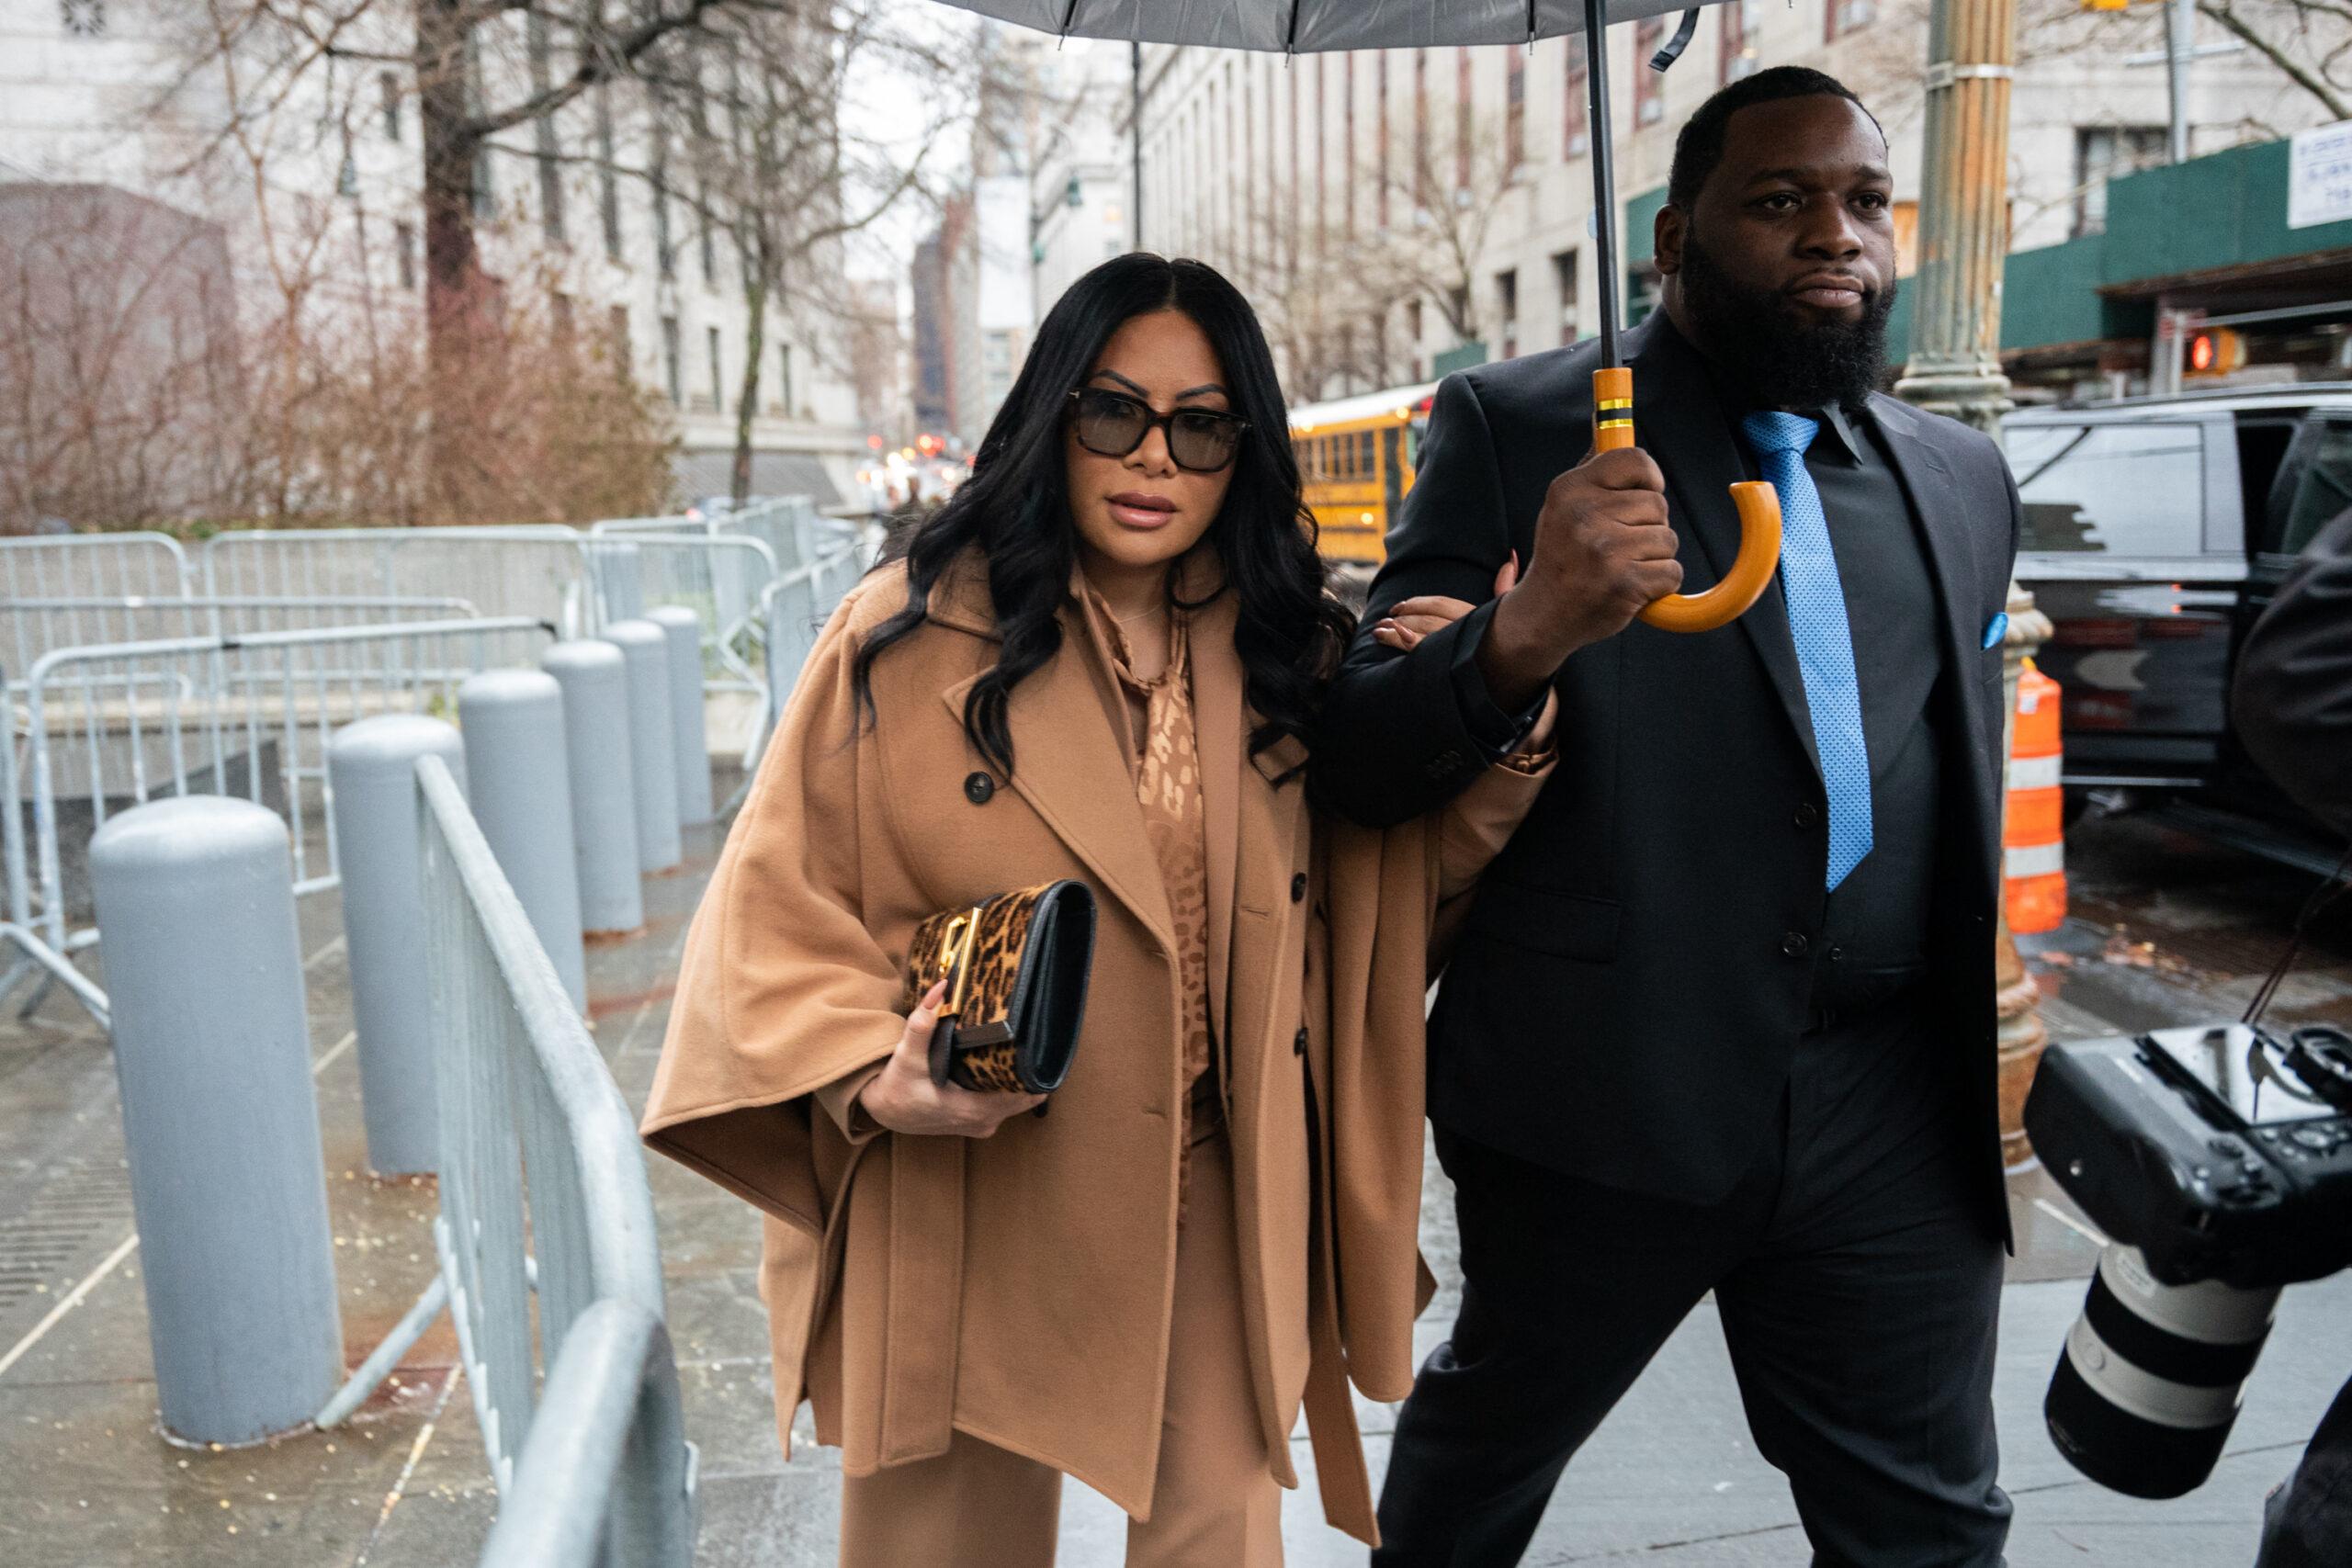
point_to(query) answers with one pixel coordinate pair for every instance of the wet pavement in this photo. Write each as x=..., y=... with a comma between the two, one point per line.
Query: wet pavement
x=1670, y=1480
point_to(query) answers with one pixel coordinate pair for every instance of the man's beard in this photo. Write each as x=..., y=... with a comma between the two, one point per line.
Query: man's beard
x=1755, y=336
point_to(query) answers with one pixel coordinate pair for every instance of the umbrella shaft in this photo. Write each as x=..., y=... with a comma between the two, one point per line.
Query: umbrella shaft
x=1604, y=179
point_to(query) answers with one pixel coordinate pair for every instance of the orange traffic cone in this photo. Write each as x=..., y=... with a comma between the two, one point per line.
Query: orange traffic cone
x=2034, y=837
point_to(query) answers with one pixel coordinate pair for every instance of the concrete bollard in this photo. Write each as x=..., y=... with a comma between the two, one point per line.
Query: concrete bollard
x=620, y=580
x=518, y=783
x=594, y=678
x=212, y=1048
x=651, y=740
x=371, y=769
x=692, y=745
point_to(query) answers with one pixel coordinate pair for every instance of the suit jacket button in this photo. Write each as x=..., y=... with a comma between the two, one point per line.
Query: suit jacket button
x=1298, y=889
x=1298, y=1044
x=1807, y=814
x=1794, y=944
x=978, y=787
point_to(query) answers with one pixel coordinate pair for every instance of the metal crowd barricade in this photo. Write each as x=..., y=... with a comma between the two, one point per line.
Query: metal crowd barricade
x=610, y=1408
x=544, y=571
x=49, y=566
x=720, y=579
x=31, y=627
x=793, y=610
x=536, y=1142
x=119, y=724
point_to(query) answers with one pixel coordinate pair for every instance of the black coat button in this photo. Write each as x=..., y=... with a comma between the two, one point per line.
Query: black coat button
x=1794, y=944
x=978, y=787
x=1836, y=955
x=1298, y=889
x=1807, y=814
x=1298, y=1044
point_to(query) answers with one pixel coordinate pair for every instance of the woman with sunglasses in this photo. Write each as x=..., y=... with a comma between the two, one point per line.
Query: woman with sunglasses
x=1101, y=660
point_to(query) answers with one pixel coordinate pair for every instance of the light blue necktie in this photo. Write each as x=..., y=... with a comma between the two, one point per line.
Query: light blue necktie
x=1825, y=643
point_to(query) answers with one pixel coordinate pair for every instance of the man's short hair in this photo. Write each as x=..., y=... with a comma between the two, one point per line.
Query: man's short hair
x=1699, y=148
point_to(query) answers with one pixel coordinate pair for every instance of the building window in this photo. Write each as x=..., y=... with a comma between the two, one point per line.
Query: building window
x=783, y=378
x=388, y=87
x=617, y=333
x=559, y=320
x=485, y=194
x=1322, y=155
x=2103, y=152
x=404, y=253
x=608, y=180
x=1844, y=16
x=709, y=244
x=665, y=254
x=1348, y=136
x=1741, y=21
x=1380, y=123
x=1507, y=310
x=1461, y=120
x=543, y=132
x=710, y=340
x=1514, y=108
x=551, y=182
x=1577, y=112
x=83, y=18
x=347, y=174
x=1649, y=87
x=672, y=382
x=1420, y=128
x=1564, y=273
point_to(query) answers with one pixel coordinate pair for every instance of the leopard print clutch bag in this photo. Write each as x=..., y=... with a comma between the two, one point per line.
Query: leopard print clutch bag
x=1016, y=968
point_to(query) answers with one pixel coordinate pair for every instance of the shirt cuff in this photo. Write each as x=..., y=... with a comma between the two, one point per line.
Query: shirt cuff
x=1495, y=731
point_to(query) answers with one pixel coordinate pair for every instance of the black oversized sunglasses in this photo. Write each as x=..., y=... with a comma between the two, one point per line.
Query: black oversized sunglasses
x=1112, y=425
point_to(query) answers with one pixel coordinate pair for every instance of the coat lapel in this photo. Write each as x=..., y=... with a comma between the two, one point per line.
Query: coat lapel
x=1068, y=762
x=1679, y=419
x=1945, y=521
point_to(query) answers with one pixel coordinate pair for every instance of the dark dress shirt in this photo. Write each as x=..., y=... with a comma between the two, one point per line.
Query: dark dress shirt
x=1875, y=926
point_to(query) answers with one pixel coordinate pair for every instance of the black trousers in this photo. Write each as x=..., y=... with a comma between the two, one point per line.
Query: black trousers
x=2309, y=1521
x=1859, y=1293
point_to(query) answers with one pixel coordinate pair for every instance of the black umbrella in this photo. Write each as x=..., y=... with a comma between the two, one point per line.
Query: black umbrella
x=1314, y=26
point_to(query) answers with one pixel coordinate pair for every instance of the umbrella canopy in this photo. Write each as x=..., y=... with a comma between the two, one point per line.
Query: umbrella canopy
x=1311, y=25
x=1294, y=26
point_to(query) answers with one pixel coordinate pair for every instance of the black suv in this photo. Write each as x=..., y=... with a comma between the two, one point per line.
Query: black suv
x=2156, y=530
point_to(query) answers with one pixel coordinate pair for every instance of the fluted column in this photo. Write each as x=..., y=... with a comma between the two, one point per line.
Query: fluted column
x=1955, y=366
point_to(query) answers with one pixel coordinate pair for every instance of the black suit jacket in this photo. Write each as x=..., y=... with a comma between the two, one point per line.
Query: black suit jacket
x=1638, y=963
x=2293, y=703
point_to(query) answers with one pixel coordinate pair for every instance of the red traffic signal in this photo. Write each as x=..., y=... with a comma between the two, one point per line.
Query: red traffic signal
x=2216, y=351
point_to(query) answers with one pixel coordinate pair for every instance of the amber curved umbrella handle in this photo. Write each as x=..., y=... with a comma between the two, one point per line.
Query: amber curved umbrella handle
x=1760, y=524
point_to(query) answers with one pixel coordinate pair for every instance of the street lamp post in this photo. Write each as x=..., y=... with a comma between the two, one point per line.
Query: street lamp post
x=1956, y=368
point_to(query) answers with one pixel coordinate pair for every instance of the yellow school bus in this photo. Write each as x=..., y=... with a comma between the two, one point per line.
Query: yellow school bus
x=1355, y=457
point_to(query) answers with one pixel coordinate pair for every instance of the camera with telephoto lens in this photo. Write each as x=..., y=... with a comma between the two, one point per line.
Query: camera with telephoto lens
x=2220, y=1161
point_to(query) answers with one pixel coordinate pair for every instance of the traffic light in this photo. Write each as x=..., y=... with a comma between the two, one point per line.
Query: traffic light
x=2216, y=351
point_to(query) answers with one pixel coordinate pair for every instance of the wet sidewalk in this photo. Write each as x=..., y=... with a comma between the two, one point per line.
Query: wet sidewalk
x=1670, y=1480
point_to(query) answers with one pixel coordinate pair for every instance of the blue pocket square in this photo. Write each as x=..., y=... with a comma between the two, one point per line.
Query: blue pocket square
x=1995, y=631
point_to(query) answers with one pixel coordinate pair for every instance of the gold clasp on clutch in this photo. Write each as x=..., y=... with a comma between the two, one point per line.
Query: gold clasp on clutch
x=956, y=958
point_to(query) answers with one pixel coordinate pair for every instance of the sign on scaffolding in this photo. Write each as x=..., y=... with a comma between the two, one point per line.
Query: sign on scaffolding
x=2319, y=179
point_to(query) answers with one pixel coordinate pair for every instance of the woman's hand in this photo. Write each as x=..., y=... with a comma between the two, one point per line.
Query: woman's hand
x=903, y=1099
x=1410, y=620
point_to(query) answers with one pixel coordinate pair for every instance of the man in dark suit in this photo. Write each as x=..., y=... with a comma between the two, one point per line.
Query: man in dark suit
x=2293, y=709
x=2293, y=702
x=1722, y=1016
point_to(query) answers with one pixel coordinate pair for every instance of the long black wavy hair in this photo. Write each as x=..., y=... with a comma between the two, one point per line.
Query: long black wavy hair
x=1015, y=507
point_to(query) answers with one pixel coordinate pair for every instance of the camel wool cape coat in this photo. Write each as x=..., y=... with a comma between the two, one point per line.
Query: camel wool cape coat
x=1018, y=1288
